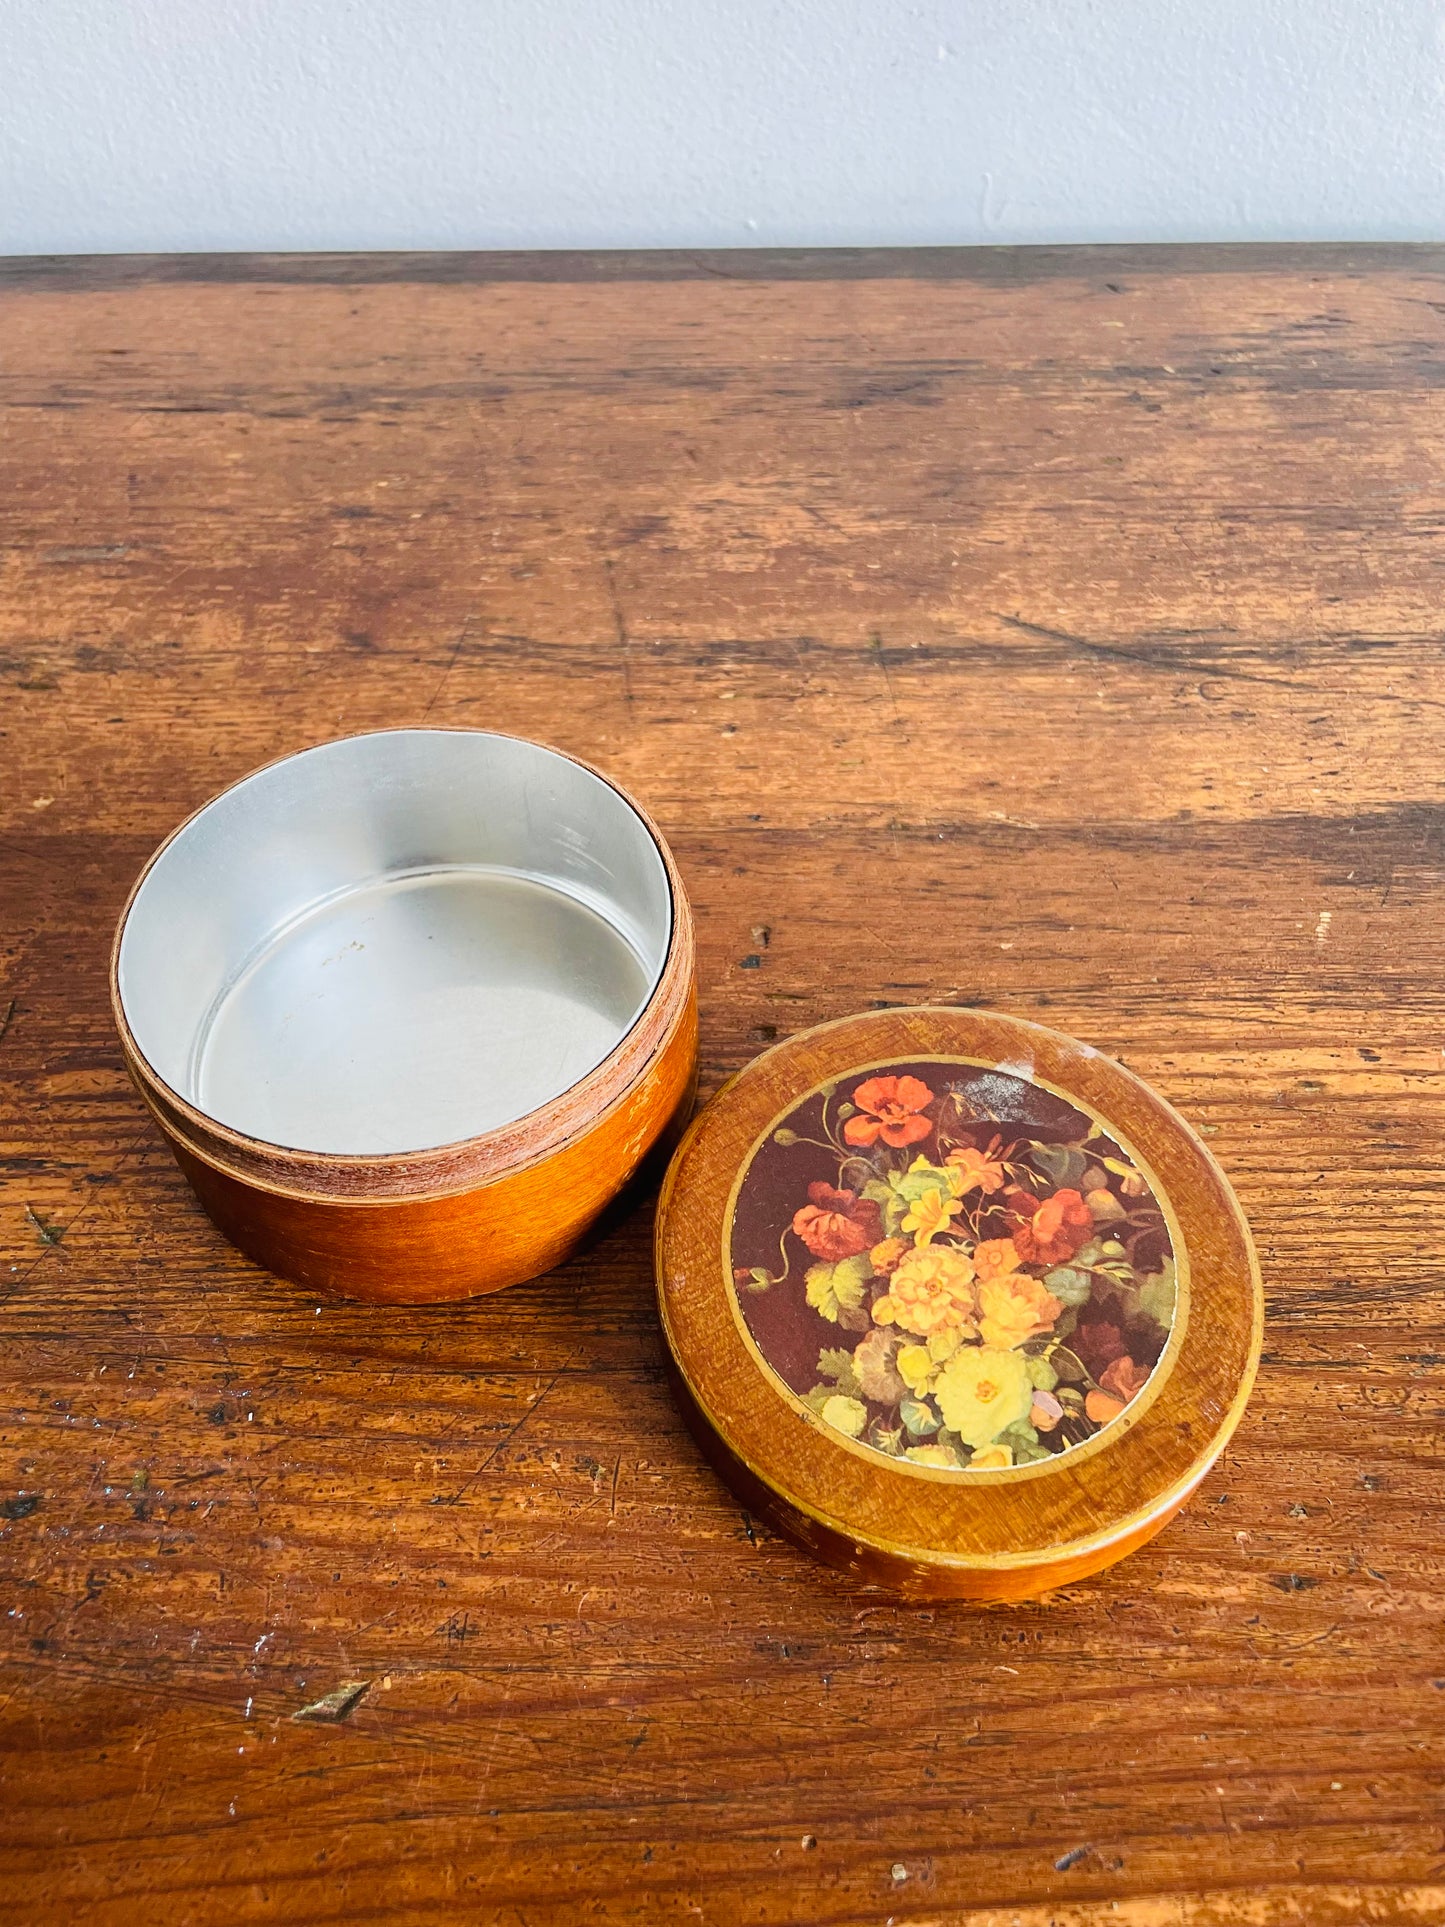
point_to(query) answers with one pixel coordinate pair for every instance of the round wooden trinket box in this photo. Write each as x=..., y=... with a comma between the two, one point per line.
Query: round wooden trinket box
x=954, y=1301
x=411, y=1008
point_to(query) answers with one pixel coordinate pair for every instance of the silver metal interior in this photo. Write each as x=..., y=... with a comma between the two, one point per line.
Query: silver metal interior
x=394, y=942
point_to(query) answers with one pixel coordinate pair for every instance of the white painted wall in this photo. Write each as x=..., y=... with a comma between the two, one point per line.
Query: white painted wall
x=218, y=124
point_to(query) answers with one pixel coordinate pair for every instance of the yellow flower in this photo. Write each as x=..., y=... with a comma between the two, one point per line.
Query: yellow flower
x=845, y=1415
x=914, y=1365
x=949, y=1176
x=931, y=1291
x=944, y=1344
x=930, y=1215
x=932, y=1455
x=996, y=1257
x=1013, y=1308
x=981, y=1392
x=1104, y=1207
x=992, y=1456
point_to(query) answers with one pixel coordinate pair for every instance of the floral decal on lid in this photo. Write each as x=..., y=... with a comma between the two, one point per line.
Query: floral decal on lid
x=952, y=1266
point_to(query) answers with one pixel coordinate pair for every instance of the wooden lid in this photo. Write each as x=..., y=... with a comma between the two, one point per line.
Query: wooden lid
x=954, y=1301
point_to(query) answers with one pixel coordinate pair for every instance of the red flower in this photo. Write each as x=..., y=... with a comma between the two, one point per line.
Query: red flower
x=837, y=1224
x=1049, y=1233
x=1099, y=1343
x=888, y=1108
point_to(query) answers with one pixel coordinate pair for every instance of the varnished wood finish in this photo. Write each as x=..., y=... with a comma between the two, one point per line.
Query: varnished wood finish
x=890, y=1569
x=990, y=1536
x=466, y=1218
x=417, y=1251
x=1054, y=633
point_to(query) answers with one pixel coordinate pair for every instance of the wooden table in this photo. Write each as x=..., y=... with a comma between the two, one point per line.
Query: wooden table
x=1055, y=630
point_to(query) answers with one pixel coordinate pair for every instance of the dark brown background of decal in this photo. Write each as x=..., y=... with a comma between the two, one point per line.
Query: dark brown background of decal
x=1085, y=601
x=786, y=1329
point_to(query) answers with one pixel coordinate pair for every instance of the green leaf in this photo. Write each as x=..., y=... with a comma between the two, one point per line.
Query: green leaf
x=759, y=1280
x=1071, y=1370
x=818, y=1397
x=834, y=1288
x=1020, y=1433
x=893, y=1208
x=920, y=1418
x=850, y=1279
x=1060, y=1163
x=1068, y=1284
x=837, y=1364
x=917, y=1183
x=1041, y=1374
x=1127, y=1293
x=1158, y=1296
x=818, y=1287
x=1031, y=1454
x=898, y=1191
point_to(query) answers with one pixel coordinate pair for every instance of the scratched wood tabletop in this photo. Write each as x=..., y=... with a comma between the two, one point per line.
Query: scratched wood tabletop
x=1057, y=631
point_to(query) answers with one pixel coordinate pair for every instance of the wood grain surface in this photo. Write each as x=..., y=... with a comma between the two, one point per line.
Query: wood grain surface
x=1059, y=633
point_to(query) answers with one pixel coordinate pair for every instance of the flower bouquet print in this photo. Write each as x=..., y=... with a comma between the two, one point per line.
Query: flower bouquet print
x=952, y=1266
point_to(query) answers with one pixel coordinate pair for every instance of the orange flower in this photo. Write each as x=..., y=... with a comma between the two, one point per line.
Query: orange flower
x=996, y=1258
x=1013, y=1309
x=884, y=1256
x=888, y=1108
x=980, y=1170
x=1101, y=1408
x=930, y=1291
x=1050, y=1233
x=1124, y=1378
x=837, y=1224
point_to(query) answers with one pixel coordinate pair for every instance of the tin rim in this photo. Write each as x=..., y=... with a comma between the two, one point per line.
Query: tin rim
x=432, y=1170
